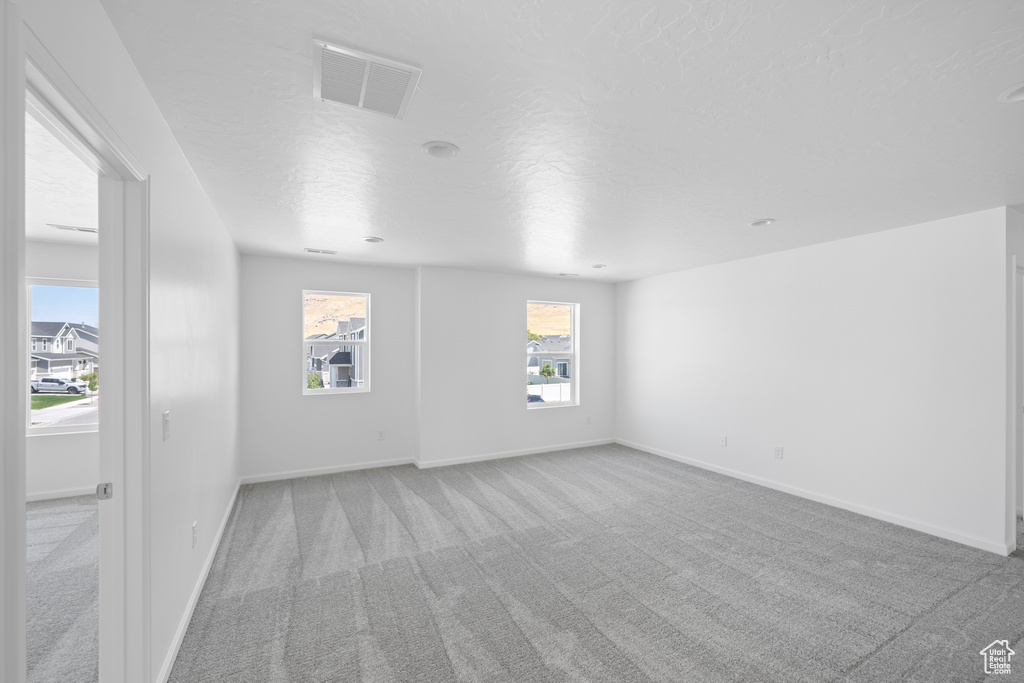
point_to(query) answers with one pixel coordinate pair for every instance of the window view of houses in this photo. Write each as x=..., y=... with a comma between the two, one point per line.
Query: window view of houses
x=64, y=352
x=549, y=353
x=335, y=341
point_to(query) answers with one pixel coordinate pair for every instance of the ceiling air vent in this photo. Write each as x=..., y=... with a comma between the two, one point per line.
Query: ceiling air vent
x=311, y=250
x=361, y=80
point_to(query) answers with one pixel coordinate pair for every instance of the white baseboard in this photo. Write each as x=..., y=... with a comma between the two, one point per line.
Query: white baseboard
x=186, y=619
x=317, y=471
x=948, y=534
x=508, y=454
x=63, y=493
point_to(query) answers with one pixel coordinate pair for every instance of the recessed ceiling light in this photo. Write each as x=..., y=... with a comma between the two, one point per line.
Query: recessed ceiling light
x=1012, y=94
x=373, y=240
x=74, y=228
x=311, y=250
x=762, y=222
x=599, y=265
x=440, y=149
x=568, y=275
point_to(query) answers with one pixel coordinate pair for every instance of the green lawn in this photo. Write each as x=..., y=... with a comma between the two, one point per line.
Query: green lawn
x=41, y=401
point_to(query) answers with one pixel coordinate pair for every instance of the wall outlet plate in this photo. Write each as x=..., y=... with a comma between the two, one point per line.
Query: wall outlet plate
x=724, y=440
x=778, y=452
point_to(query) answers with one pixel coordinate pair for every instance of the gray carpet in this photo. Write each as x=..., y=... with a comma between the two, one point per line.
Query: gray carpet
x=62, y=590
x=599, y=564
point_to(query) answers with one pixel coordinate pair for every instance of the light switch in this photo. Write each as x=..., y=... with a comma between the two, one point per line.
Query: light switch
x=167, y=425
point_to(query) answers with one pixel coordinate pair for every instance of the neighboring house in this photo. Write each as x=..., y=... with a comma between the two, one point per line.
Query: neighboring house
x=554, y=350
x=338, y=364
x=62, y=349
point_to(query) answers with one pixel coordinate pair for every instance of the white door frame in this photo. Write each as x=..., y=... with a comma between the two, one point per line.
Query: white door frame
x=13, y=386
x=1015, y=466
x=124, y=319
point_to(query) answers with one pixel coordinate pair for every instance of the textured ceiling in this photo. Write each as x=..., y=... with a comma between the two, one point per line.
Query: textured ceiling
x=59, y=189
x=644, y=135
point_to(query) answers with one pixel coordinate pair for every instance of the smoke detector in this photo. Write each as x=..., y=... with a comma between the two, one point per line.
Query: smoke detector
x=361, y=80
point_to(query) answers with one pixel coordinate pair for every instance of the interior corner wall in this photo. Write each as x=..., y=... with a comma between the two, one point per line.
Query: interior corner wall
x=58, y=465
x=877, y=363
x=194, y=317
x=472, y=350
x=286, y=433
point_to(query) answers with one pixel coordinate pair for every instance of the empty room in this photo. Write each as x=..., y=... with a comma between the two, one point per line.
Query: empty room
x=511, y=341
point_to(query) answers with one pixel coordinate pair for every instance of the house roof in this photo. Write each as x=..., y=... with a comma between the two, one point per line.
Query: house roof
x=341, y=358
x=321, y=350
x=46, y=355
x=53, y=328
x=552, y=343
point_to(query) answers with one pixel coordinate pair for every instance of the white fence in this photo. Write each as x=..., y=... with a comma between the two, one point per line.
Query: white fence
x=551, y=393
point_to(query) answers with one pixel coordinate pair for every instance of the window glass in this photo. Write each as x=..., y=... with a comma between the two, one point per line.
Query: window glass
x=64, y=377
x=551, y=349
x=335, y=342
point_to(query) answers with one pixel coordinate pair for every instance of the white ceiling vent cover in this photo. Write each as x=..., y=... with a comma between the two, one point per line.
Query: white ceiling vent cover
x=361, y=80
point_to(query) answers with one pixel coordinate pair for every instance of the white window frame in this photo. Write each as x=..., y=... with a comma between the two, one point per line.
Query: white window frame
x=574, y=362
x=51, y=282
x=364, y=343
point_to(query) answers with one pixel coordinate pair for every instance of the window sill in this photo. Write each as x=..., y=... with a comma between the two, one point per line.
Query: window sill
x=57, y=431
x=334, y=392
x=545, y=406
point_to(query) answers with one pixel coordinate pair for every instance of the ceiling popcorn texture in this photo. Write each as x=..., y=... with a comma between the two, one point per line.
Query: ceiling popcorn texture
x=59, y=189
x=644, y=135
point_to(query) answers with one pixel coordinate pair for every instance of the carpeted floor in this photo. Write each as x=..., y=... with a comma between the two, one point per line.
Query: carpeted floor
x=599, y=564
x=62, y=590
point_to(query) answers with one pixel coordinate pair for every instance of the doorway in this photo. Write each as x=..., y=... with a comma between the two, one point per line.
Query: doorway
x=63, y=420
x=32, y=80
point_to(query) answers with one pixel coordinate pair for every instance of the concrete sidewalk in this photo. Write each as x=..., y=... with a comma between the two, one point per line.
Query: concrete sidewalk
x=81, y=412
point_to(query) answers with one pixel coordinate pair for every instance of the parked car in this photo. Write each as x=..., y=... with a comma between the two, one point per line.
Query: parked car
x=59, y=385
x=534, y=398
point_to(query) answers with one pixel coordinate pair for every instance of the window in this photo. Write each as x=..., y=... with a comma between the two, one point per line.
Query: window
x=335, y=342
x=64, y=387
x=552, y=353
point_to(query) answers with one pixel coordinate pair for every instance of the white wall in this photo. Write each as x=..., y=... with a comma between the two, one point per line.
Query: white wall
x=474, y=323
x=286, y=433
x=68, y=261
x=194, y=301
x=878, y=363
x=427, y=326
x=61, y=464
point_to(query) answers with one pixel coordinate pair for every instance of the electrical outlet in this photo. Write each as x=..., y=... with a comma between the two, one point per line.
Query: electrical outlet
x=167, y=425
x=724, y=440
x=194, y=533
x=380, y=435
x=778, y=452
